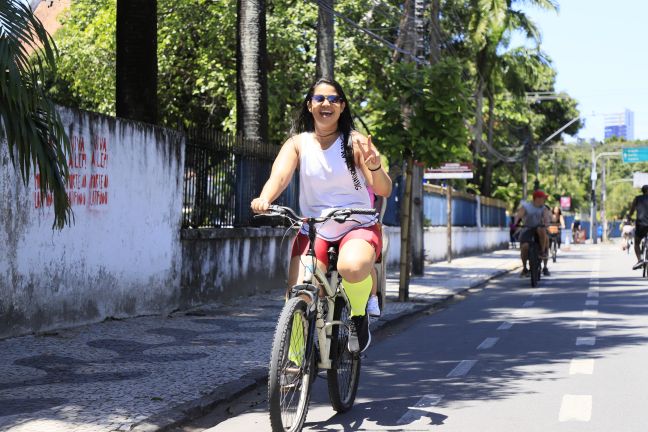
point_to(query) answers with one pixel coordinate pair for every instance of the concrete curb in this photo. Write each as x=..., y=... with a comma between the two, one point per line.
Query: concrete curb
x=193, y=410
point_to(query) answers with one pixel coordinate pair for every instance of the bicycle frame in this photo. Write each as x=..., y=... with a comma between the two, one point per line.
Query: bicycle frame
x=324, y=319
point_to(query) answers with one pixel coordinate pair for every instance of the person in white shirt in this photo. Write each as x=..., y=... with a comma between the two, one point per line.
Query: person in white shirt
x=337, y=166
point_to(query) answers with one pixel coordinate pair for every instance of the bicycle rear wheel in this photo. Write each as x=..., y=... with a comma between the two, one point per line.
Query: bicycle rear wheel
x=344, y=375
x=534, y=264
x=290, y=368
x=554, y=250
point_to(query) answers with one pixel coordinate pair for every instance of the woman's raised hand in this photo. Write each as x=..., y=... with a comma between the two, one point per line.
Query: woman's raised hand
x=369, y=154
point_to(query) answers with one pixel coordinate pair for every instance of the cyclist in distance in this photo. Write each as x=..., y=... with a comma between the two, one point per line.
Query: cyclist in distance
x=640, y=204
x=627, y=231
x=557, y=220
x=337, y=165
x=534, y=216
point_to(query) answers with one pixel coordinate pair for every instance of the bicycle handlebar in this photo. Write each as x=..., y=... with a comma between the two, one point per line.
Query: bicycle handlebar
x=339, y=215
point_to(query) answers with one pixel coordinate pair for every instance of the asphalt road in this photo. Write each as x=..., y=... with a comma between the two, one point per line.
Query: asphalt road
x=570, y=355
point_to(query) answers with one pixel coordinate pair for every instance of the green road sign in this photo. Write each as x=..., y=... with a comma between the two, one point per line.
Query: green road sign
x=635, y=154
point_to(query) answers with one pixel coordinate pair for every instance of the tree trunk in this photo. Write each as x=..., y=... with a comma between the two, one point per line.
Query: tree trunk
x=325, y=66
x=435, y=32
x=136, y=60
x=251, y=99
x=417, y=229
x=405, y=256
x=487, y=168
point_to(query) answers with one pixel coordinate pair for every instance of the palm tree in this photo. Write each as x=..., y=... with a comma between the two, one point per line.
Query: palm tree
x=29, y=122
x=251, y=95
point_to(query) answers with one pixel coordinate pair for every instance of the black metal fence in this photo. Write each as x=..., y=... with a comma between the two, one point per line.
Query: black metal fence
x=223, y=173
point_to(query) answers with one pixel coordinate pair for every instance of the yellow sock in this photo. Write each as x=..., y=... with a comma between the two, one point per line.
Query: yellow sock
x=358, y=294
x=297, y=342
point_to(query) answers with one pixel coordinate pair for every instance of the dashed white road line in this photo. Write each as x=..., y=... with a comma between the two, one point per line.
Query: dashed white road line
x=528, y=303
x=586, y=340
x=423, y=405
x=590, y=313
x=505, y=325
x=581, y=366
x=488, y=343
x=591, y=302
x=462, y=368
x=593, y=294
x=587, y=324
x=575, y=408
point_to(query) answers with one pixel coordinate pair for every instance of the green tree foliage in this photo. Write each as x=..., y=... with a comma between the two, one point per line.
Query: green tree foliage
x=197, y=76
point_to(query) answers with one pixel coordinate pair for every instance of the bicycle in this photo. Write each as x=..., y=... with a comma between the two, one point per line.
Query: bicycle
x=534, y=255
x=296, y=357
x=554, y=232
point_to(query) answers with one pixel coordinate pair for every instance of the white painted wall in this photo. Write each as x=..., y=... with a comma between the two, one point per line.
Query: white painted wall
x=121, y=257
x=465, y=240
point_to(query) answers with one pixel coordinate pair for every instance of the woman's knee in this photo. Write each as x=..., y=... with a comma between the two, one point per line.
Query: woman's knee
x=356, y=260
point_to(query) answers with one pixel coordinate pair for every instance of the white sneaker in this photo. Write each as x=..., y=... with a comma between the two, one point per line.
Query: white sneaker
x=372, y=306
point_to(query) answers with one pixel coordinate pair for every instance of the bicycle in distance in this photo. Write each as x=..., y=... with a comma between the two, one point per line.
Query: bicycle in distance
x=528, y=237
x=312, y=333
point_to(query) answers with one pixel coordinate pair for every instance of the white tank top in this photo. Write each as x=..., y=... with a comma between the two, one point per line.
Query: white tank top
x=325, y=182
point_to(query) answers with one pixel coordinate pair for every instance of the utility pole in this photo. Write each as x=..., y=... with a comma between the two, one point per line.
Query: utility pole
x=325, y=62
x=593, y=197
x=603, y=196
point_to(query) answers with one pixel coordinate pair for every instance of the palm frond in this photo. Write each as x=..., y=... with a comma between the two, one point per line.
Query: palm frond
x=29, y=121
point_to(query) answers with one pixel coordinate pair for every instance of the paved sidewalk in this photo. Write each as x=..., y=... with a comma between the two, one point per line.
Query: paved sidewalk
x=150, y=373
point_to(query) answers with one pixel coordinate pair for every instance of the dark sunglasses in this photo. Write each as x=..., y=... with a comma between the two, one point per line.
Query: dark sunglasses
x=334, y=99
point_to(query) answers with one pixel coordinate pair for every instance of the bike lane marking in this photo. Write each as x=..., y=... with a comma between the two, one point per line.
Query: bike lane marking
x=488, y=343
x=581, y=367
x=575, y=408
x=462, y=368
x=423, y=405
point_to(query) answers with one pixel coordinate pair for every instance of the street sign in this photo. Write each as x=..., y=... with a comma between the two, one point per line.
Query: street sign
x=639, y=179
x=452, y=170
x=635, y=154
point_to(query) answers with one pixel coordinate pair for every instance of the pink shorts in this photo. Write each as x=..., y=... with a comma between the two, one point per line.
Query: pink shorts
x=371, y=235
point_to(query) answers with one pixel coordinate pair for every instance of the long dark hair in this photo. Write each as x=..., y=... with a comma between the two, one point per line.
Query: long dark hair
x=304, y=122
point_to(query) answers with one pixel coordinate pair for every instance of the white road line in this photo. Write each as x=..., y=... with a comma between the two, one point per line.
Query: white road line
x=587, y=324
x=593, y=294
x=581, y=366
x=535, y=294
x=528, y=303
x=462, y=368
x=505, y=325
x=586, y=340
x=488, y=343
x=594, y=289
x=590, y=313
x=591, y=302
x=423, y=405
x=575, y=408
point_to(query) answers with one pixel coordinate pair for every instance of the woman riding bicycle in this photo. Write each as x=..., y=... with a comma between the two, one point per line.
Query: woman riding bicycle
x=556, y=224
x=337, y=165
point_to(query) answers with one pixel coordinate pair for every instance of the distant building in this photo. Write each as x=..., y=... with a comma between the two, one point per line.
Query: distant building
x=620, y=125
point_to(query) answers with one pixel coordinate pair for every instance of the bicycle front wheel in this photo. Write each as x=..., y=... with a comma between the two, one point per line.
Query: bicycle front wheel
x=344, y=375
x=290, y=369
x=534, y=264
x=554, y=250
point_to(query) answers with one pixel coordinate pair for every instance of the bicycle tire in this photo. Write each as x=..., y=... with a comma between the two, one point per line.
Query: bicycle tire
x=644, y=254
x=290, y=371
x=534, y=264
x=344, y=375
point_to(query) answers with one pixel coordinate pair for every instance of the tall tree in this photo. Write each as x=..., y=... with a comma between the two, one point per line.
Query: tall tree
x=29, y=121
x=325, y=66
x=136, y=62
x=251, y=94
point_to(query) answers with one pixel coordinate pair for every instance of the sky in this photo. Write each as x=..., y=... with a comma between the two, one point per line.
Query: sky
x=599, y=49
